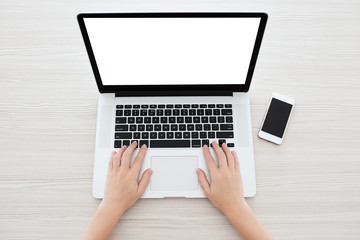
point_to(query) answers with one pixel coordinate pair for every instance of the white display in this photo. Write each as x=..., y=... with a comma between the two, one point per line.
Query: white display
x=167, y=51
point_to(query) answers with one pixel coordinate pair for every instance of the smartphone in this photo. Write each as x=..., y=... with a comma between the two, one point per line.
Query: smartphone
x=276, y=118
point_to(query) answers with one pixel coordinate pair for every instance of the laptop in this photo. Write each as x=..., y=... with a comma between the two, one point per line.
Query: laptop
x=175, y=82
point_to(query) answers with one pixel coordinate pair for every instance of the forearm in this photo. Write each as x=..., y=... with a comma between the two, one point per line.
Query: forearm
x=102, y=224
x=247, y=224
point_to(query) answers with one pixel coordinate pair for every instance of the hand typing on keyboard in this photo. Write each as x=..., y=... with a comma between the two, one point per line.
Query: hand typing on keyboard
x=225, y=191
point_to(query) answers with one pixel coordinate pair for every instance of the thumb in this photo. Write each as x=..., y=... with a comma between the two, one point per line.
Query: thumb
x=144, y=181
x=204, y=183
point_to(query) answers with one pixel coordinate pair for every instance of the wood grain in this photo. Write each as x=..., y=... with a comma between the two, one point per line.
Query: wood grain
x=308, y=188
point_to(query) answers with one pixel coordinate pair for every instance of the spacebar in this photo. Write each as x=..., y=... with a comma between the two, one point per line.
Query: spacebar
x=169, y=143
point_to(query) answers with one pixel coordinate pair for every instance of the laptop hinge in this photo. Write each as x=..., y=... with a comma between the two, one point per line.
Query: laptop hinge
x=174, y=93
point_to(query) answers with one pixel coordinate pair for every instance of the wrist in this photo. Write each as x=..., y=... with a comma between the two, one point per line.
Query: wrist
x=111, y=212
x=237, y=210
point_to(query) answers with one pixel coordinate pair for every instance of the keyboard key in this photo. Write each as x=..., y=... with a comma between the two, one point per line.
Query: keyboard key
x=136, y=135
x=200, y=112
x=224, y=134
x=135, y=141
x=127, y=106
x=126, y=142
x=155, y=119
x=208, y=112
x=226, y=111
x=132, y=127
x=211, y=106
x=153, y=135
x=170, y=143
x=203, y=106
x=169, y=135
x=229, y=119
x=149, y=127
x=226, y=127
x=195, y=105
x=165, y=127
x=161, y=135
x=204, y=119
x=196, y=143
x=120, y=120
x=211, y=134
x=159, y=112
x=136, y=106
x=221, y=141
x=176, y=112
x=153, y=106
x=172, y=119
x=143, y=112
x=163, y=119
x=198, y=127
x=174, y=127
x=184, y=112
x=230, y=144
x=157, y=127
x=219, y=105
x=194, y=135
x=180, y=119
x=192, y=112
x=220, y=119
x=178, y=134
x=186, y=135
x=228, y=105
x=216, y=112
x=169, y=106
x=212, y=119
x=182, y=127
x=196, y=119
x=127, y=135
x=207, y=127
x=214, y=127
x=127, y=113
x=186, y=106
x=203, y=135
x=119, y=106
x=167, y=112
x=205, y=142
x=139, y=120
x=141, y=127
x=121, y=127
x=117, y=144
x=131, y=120
x=145, y=135
x=119, y=113
x=151, y=112
x=190, y=127
x=142, y=142
x=188, y=119
x=144, y=106
x=147, y=119
x=178, y=106
x=161, y=106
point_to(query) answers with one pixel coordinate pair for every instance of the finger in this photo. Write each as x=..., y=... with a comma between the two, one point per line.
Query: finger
x=220, y=154
x=210, y=162
x=110, y=167
x=144, y=181
x=116, y=161
x=229, y=157
x=138, y=161
x=125, y=160
x=236, y=160
x=204, y=183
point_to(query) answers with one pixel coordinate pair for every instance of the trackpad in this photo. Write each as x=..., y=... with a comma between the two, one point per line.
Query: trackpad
x=174, y=173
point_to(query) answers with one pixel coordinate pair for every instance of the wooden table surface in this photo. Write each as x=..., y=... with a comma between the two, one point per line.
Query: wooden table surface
x=308, y=188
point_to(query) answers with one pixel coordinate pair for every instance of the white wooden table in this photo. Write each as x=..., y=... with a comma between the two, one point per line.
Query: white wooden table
x=308, y=188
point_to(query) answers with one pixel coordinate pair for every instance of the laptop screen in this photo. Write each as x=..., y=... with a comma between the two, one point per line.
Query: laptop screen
x=172, y=51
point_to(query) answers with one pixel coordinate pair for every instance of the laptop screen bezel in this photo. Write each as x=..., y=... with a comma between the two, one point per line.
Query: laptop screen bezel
x=171, y=88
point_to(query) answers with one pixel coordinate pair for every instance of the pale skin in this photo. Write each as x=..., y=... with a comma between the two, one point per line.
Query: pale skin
x=225, y=192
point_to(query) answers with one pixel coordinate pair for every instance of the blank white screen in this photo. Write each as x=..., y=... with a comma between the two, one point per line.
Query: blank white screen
x=165, y=51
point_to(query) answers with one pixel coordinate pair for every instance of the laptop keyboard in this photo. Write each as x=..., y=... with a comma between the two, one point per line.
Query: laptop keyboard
x=174, y=125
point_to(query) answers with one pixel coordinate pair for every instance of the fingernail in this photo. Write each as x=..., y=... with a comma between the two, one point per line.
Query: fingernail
x=198, y=171
x=205, y=146
x=150, y=171
x=224, y=145
x=143, y=146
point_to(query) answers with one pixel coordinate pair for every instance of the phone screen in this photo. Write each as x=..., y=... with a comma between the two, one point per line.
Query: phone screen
x=277, y=117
